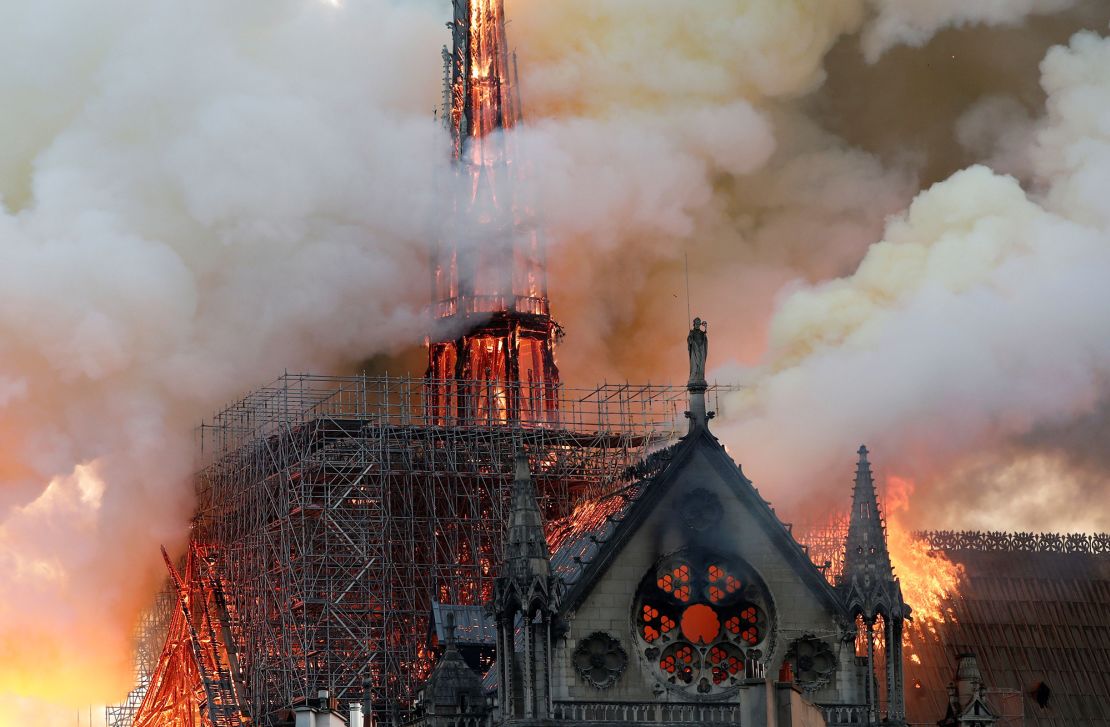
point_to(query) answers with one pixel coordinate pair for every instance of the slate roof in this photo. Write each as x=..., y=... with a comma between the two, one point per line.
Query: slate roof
x=578, y=538
x=1030, y=617
x=472, y=625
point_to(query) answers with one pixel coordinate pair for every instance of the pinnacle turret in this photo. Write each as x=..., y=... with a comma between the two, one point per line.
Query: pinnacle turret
x=525, y=593
x=870, y=590
x=868, y=578
x=527, y=557
x=866, y=545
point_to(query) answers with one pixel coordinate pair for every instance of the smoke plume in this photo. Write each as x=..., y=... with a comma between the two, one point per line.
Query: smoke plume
x=195, y=197
x=971, y=342
x=897, y=239
x=898, y=22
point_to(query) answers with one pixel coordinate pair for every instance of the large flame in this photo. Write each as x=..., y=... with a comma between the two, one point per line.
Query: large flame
x=928, y=577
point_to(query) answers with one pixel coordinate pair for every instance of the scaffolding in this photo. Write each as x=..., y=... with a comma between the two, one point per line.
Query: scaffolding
x=336, y=509
x=196, y=681
x=824, y=542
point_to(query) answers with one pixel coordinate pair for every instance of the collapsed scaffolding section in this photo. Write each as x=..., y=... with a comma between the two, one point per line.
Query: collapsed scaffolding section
x=337, y=509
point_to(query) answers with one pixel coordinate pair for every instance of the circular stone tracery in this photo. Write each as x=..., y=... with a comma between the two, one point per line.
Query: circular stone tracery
x=697, y=616
x=701, y=510
x=600, y=660
x=813, y=662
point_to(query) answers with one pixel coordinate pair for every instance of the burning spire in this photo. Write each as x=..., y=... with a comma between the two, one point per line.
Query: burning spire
x=492, y=353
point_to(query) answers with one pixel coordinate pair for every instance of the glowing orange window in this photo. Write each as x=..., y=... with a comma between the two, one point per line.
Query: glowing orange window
x=700, y=624
x=698, y=618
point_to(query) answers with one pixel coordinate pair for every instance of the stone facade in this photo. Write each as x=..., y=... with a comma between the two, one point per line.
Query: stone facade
x=691, y=604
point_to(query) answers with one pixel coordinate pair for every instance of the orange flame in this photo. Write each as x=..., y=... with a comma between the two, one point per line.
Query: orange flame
x=488, y=90
x=927, y=576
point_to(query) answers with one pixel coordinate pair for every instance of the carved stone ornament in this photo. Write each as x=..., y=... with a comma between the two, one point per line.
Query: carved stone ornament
x=700, y=510
x=600, y=660
x=813, y=661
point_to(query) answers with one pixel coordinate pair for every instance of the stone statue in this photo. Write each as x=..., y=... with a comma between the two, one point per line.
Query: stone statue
x=698, y=344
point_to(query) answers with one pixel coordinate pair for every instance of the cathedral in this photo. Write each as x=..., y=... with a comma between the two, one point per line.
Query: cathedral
x=341, y=518
x=690, y=602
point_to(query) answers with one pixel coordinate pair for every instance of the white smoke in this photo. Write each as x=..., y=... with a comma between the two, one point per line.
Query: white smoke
x=195, y=196
x=665, y=130
x=981, y=317
x=999, y=130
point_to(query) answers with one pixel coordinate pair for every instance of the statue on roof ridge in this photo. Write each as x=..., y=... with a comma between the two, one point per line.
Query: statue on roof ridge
x=698, y=344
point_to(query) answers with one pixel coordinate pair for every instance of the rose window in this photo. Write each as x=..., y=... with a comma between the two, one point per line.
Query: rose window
x=699, y=617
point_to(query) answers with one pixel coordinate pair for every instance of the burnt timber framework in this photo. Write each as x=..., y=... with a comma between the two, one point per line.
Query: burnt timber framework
x=491, y=350
x=337, y=509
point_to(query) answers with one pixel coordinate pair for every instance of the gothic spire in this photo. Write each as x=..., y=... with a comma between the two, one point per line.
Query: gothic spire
x=867, y=547
x=868, y=576
x=527, y=557
x=481, y=78
x=525, y=591
x=493, y=327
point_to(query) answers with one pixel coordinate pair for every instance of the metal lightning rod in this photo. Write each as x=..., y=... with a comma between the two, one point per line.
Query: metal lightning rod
x=686, y=264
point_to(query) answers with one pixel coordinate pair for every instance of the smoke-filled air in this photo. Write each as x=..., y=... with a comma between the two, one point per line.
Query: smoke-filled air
x=894, y=215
